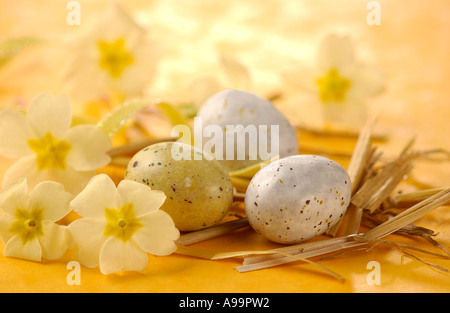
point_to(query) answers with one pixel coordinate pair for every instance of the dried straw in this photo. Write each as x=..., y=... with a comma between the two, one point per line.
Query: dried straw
x=211, y=232
x=372, y=187
x=372, y=202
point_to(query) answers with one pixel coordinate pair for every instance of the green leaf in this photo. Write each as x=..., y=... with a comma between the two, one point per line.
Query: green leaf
x=116, y=119
x=250, y=171
x=189, y=110
x=172, y=113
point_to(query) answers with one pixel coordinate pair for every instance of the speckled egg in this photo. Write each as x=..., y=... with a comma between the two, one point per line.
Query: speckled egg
x=234, y=108
x=297, y=198
x=199, y=191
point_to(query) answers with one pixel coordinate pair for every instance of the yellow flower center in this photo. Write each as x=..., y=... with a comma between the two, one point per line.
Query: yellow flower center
x=333, y=87
x=51, y=152
x=121, y=223
x=114, y=58
x=28, y=225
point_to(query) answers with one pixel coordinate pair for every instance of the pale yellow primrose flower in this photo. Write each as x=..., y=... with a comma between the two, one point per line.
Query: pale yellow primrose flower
x=113, y=56
x=48, y=148
x=27, y=226
x=338, y=82
x=121, y=225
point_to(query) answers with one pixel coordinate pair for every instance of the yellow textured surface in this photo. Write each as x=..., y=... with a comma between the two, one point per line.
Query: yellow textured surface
x=411, y=45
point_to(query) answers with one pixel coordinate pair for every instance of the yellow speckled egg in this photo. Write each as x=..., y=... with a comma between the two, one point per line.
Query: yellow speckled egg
x=199, y=190
x=297, y=198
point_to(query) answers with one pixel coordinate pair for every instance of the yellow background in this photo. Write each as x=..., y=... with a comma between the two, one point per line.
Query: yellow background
x=412, y=46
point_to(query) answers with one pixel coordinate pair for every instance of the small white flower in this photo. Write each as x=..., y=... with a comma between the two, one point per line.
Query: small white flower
x=339, y=83
x=28, y=228
x=113, y=57
x=120, y=225
x=46, y=147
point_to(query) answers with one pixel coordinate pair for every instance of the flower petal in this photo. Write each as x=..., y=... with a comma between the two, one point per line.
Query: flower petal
x=89, y=148
x=73, y=181
x=30, y=251
x=75, y=72
x=336, y=52
x=158, y=235
x=56, y=240
x=14, y=134
x=143, y=198
x=25, y=167
x=99, y=194
x=88, y=235
x=52, y=198
x=50, y=114
x=117, y=256
x=367, y=81
x=14, y=196
x=350, y=115
x=5, y=223
x=124, y=25
x=137, y=75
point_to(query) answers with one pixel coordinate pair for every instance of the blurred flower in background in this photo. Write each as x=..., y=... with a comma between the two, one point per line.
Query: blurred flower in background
x=112, y=60
x=338, y=83
x=231, y=74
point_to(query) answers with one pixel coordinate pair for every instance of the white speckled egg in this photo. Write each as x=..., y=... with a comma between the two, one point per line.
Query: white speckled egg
x=297, y=198
x=199, y=192
x=235, y=107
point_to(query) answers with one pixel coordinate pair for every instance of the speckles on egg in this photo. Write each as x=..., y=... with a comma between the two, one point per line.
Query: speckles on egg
x=297, y=198
x=199, y=192
x=233, y=107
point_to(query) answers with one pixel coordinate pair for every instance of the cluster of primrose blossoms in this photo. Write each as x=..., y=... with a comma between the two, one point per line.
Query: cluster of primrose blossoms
x=57, y=162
